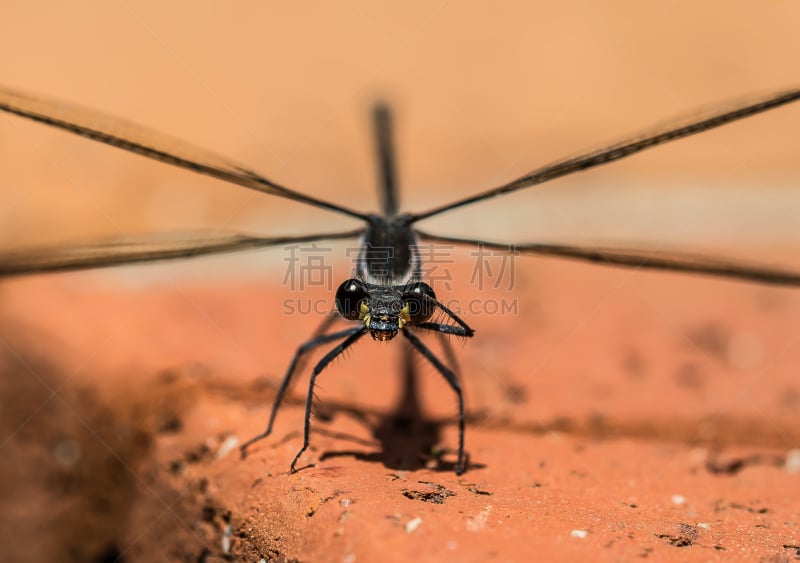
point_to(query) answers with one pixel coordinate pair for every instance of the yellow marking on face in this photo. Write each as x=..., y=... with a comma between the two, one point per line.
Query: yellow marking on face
x=404, y=316
x=363, y=312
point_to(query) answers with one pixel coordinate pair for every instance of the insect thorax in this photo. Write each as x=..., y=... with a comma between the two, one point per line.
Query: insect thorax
x=389, y=253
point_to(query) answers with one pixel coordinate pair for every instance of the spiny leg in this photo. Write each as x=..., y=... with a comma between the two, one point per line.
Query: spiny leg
x=449, y=354
x=444, y=331
x=354, y=334
x=451, y=378
x=317, y=340
x=459, y=329
x=323, y=327
x=447, y=329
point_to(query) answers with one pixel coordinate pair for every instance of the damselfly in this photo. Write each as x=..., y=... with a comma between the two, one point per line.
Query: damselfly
x=386, y=295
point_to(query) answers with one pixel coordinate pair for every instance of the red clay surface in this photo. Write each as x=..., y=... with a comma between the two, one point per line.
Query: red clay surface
x=613, y=418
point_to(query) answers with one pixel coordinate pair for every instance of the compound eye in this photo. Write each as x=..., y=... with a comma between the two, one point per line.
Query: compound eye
x=349, y=297
x=421, y=302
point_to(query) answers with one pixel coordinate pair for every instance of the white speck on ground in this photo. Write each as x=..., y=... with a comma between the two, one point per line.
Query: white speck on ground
x=475, y=523
x=230, y=443
x=678, y=499
x=226, y=539
x=413, y=524
x=579, y=533
x=793, y=461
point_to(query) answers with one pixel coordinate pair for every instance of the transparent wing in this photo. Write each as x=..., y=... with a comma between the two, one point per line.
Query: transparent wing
x=130, y=250
x=147, y=142
x=642, y=259
x=659, y=135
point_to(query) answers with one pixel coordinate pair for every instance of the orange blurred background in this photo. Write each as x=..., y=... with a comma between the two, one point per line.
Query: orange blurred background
x=482, y=95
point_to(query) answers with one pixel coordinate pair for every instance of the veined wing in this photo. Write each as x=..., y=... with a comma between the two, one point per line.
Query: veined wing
x=642, y=259
x=129, y=250
x=663, y=134
x=147, y=142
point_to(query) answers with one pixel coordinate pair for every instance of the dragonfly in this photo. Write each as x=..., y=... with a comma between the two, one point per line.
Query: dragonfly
x=386, y=295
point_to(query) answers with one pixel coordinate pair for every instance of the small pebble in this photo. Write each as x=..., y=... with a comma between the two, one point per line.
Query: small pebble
x=226, y=539
x=793, y=461
x=678, y=499
x=230, y=443
x=579, y=533
x=345, y=502
x=703, y=525
x=413, y=524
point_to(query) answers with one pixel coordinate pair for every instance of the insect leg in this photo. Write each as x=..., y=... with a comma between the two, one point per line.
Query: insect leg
x=353, y=333
x=451, y=378
x=317, y=340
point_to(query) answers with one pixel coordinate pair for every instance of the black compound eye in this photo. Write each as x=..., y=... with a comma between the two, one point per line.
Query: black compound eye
x=421, y=301
x=349, y=297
